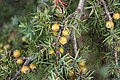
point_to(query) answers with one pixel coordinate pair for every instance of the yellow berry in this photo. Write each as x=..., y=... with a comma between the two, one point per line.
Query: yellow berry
x=20, y=61
x=109, y=24
x=83, y=69
x=32, y=66
x=17, y=53
x=51, y=51
x=61, y=50
x=55, y=27
x=25, y=69
x=116, y=16
x=81, y=63
x=65, y=32
x=63, y=40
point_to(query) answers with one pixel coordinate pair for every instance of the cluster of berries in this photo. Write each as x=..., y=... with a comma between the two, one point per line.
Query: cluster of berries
x=82, y=66
x=62, y=40
x=65, y=33
x=110, y=24
x=25, y=69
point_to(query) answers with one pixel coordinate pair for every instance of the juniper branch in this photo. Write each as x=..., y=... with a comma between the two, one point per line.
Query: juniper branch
x=26, y=63
x=110, y=18
x=31, y=58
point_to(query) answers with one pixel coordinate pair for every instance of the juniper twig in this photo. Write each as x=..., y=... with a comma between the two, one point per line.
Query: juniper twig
x=78, y=11
x=106, y=10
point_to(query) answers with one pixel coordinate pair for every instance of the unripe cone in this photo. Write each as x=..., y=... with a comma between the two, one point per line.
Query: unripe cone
x=61, y=50
x=32, y=66
x=81, y=63
x=17, y=53
x=25, y=69
x=55, y=27
x=83, y=69
x=20, y=61
x=63, y=40
x=65, y=32
x=109, y=24
x=116, y=16
x=51, y=51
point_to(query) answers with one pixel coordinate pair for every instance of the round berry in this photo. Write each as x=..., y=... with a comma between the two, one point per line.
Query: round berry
x=55, y=27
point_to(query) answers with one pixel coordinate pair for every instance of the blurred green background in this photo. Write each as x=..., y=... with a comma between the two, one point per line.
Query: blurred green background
x=10, y=8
